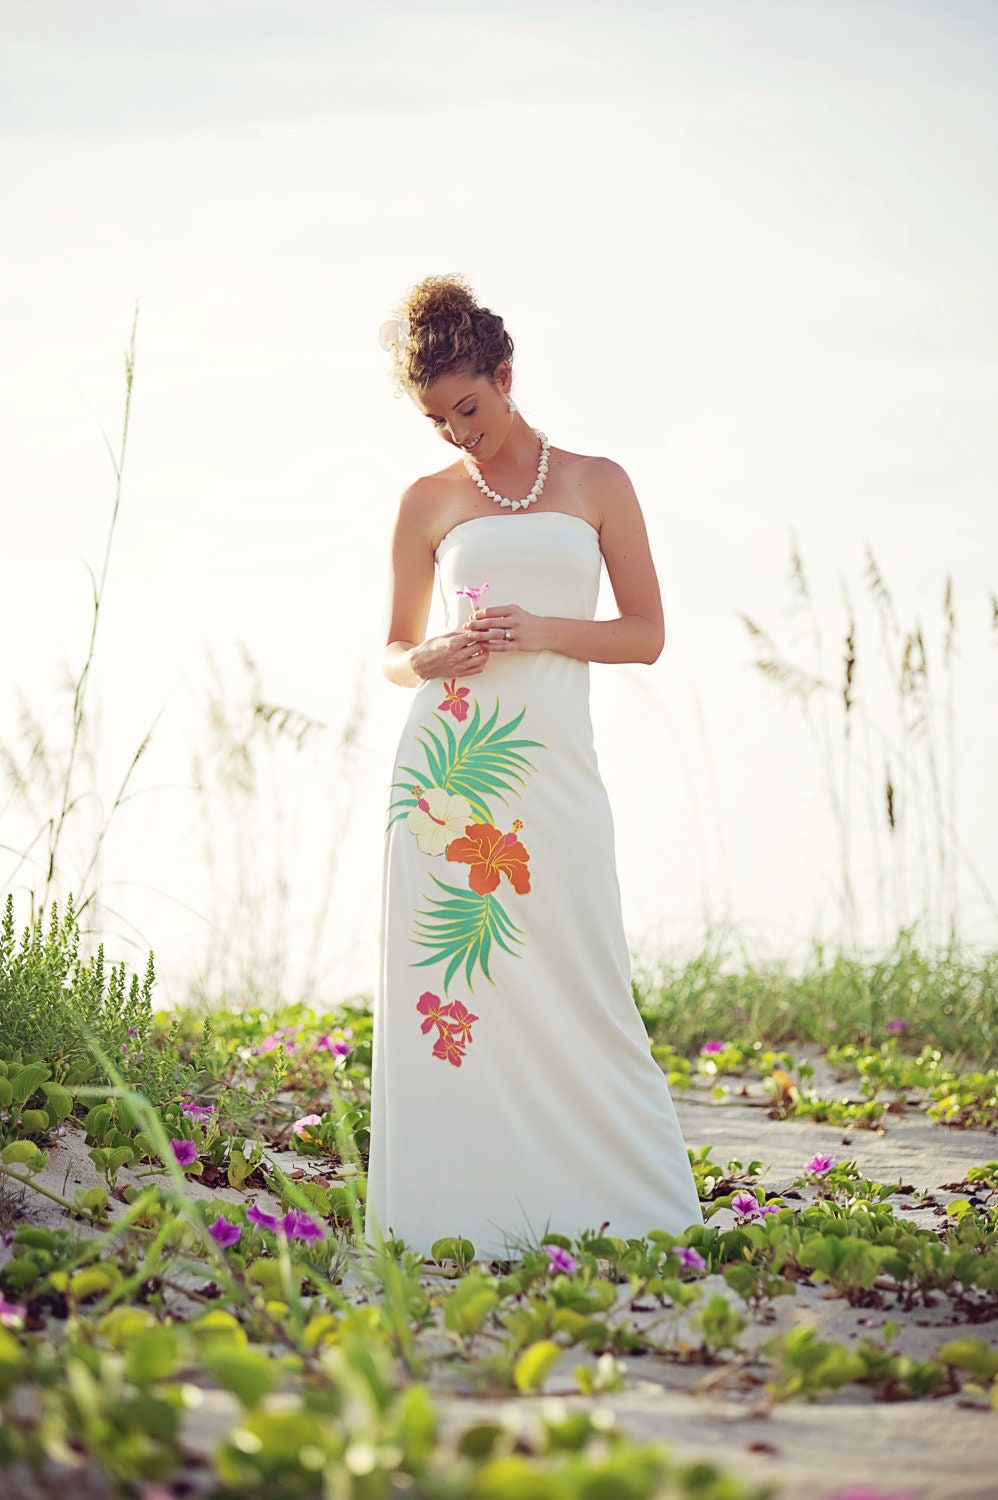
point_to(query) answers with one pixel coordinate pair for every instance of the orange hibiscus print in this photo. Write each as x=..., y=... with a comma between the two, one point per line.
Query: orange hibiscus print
x=491, y=854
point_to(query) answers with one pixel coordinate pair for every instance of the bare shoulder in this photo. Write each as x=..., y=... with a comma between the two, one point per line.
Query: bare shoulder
x=424, y=500
x=601, y=486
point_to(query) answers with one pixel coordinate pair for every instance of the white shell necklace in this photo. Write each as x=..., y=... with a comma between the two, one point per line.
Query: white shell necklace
x=535, y=493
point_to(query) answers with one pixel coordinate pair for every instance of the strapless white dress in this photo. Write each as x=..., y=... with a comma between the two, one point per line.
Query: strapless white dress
x=513, y=1089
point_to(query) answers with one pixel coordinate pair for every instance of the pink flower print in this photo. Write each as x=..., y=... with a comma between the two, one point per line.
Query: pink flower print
x=461, y=1020
x=431, y=1007
x=447, y=1046
x=819, y=1165
x=456, y=701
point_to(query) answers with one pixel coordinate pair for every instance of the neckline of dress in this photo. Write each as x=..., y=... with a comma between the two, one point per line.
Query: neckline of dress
x=513, y=520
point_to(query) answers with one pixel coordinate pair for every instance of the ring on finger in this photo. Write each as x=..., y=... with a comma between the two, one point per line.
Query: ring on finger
x=507, y=634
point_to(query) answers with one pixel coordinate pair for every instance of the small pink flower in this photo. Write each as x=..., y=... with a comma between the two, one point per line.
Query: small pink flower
x=185, y=1152
x=338, y=1048
x=746, y=1206
x=300, y=1226
x=473, y=594
x=819, y=1165
x=691, y=1257
x=712, y=1047
x=11, y=1313
x=261, y=1220
x=197, y=1111
x=300, y=1127
x=224, y=1233
x=560, y=1259
x=898, y=1024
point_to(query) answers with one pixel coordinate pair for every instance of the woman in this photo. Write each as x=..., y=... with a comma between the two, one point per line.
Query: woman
x=513, y=1087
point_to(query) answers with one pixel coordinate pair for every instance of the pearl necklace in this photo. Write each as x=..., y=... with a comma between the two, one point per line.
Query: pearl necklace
x=535, y=493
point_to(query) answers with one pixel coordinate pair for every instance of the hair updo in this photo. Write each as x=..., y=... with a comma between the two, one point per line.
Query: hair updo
x=447, y=330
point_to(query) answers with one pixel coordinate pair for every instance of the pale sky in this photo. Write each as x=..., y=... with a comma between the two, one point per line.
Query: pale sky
x=744, y=248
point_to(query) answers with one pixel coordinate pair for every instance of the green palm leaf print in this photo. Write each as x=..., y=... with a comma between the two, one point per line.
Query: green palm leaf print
x=484, y=762
x=461, y=928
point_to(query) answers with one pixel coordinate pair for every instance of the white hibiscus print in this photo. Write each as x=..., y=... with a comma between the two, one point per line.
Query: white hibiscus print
x=437, y=818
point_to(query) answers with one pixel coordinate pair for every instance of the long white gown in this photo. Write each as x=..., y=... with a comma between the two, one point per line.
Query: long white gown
x=513, y=1089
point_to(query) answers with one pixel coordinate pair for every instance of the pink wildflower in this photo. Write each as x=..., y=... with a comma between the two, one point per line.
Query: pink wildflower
x=560, y=1259
x=261, y=1220
x=712, y=1047
x=11, y=1313
x=898, y=1024
x=746, y=1206
x=691, y=1257
x=300, y=1226
x=224, y=1233
x=300, y=1127
x=819, y=1165
x=197, y=1111
x=185, y=1152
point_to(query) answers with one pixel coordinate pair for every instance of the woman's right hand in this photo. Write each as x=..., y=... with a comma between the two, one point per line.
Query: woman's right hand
x=456, y=654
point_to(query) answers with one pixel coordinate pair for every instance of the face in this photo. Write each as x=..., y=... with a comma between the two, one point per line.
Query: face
x=469, y=411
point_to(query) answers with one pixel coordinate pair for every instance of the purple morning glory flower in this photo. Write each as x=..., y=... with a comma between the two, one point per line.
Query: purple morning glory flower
x=819, y=1165
x=261, y=1220
x=185, y=1152
x=898, y=1024
x=691, y=1257
x=746, y=1206
x=224, y=1233
x=197, y=1111
x=299, y=1226
x=712, y=1047
x=560, y=1259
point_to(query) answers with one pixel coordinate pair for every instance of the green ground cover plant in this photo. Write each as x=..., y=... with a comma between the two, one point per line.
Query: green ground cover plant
x=221, y=1253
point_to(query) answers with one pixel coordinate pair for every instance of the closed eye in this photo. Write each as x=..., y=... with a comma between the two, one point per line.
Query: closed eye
x=438, y=420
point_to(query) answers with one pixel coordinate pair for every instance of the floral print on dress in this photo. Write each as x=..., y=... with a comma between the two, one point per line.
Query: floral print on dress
x=447, y=804
x=453, y=1022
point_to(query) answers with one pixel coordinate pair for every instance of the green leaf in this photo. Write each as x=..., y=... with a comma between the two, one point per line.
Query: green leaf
x=535, y=1364
x=249, y=1374
x=24, y=1083
x=60, y=1100
x=6, y=1093
x=485, y=762
x=23, y=1153
x=34, y=1121
x=461, y=929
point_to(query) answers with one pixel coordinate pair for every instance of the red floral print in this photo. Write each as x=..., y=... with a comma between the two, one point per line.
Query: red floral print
x=447, y=1046
x=456, y=701
x=461, y=1020
x=454, y=1023
x=491, y=853
x=430, y=1007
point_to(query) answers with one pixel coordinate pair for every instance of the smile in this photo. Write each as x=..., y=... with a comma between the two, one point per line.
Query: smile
x=470, y=447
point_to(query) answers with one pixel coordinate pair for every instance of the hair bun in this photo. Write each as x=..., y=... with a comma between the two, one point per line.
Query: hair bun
x=438, y=297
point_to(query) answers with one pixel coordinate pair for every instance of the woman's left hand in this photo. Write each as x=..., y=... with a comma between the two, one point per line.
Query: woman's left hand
x=507, y=627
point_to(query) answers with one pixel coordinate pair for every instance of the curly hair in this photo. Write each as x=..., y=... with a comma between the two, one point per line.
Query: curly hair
x=447, y=330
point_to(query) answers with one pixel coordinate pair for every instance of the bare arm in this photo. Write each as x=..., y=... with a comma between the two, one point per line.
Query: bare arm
x=638, y=633
x=409, y=658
